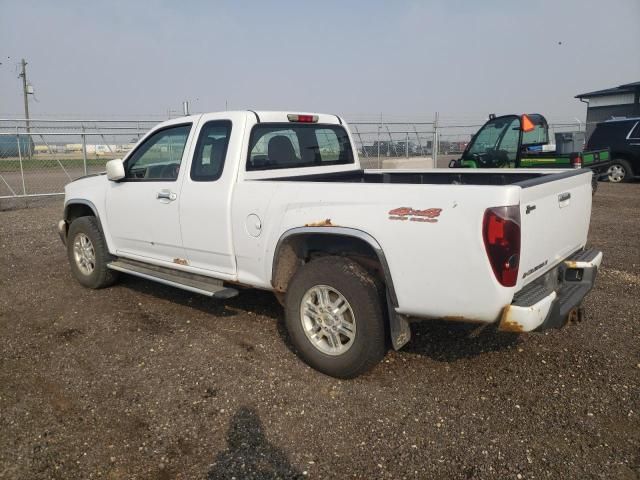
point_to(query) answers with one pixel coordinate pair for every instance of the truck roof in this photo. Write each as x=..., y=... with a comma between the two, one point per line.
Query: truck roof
x=267, y=116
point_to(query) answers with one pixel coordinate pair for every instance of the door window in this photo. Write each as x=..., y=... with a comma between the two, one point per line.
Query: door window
x=211, y=151
x=508, y=146
x=634, y=134
x=159, y=157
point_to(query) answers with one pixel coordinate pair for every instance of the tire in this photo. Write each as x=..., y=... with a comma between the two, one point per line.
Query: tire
x=363, y=317
x=594, y=184
x=619, y=171
x=90, y=270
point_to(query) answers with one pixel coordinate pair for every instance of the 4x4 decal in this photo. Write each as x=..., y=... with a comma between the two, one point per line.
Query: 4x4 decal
x=429, y=215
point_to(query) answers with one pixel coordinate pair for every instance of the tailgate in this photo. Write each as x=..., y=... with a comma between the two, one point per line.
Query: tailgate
x=596, y=158
x=555, y=211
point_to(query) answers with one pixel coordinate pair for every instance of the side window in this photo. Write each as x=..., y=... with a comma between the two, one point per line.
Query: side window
x=539, y=135
x=634, y=134
x=211, y=151
x=160, y=156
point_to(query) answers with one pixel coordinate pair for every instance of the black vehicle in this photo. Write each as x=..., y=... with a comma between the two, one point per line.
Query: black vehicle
x=622, y=137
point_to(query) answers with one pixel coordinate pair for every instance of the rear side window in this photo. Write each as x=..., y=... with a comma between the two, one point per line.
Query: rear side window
x=634, y=134
x=602, y=137
x=286, y=145
x=211, y=151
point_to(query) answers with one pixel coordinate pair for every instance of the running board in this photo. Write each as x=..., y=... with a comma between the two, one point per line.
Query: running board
x=211, y=287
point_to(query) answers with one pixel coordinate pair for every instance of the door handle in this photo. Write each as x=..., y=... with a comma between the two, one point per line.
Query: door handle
x=166, y=195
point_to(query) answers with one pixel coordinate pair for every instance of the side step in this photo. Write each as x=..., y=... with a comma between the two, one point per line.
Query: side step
x=211, y=287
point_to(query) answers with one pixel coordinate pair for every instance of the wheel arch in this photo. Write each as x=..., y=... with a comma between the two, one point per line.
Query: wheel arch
x=298, y=245
x=76, y=208
x=629, y=158
x=79, y=207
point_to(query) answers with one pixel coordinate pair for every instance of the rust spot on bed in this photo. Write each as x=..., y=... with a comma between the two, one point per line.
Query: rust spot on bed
x=322, y=223
x=180, y=261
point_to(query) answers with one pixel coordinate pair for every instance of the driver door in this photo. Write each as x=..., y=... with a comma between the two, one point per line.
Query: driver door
x=143, y=208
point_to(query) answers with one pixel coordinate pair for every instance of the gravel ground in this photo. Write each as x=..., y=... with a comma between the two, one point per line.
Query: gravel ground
x=145, y=381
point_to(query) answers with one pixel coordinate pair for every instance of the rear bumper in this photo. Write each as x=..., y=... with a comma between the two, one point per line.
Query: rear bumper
x=552, y=300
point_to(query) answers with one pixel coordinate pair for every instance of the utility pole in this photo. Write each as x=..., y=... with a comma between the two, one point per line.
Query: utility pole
x=23, y=74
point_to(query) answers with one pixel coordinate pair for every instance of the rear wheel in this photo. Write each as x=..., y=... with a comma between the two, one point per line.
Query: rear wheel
x=334, y=317
x=88, y=254
x=619, y=171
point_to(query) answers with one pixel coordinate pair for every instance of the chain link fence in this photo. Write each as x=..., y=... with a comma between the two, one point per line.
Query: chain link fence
x=39, y=158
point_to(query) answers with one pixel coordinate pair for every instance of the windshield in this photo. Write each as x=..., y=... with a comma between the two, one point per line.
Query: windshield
x=496, y=144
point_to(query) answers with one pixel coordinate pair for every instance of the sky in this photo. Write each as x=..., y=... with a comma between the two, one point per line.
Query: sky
x=462, y=58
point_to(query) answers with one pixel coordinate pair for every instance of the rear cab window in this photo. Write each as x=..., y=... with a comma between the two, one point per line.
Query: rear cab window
x=287, y=145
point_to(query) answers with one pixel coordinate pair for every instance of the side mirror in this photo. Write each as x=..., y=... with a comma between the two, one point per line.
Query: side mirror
x=115, y=169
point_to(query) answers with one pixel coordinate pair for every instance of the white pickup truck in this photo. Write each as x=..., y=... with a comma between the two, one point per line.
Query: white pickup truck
x=278, y=201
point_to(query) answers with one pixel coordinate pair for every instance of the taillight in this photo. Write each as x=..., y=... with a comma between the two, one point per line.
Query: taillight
x=576, y=161
x=501, y=234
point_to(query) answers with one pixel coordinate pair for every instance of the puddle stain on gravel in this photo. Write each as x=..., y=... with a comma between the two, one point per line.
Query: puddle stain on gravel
x=60, y=402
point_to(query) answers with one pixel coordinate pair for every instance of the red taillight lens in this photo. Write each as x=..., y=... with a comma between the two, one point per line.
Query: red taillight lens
x=501, y=234
x=576, y=161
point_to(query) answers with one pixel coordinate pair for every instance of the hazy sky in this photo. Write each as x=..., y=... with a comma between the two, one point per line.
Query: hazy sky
x=135, y=58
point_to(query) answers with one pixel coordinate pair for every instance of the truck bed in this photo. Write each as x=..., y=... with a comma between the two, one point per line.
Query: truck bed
x=497, y=176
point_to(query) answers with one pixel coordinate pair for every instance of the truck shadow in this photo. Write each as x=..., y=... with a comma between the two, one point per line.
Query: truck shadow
x=249, y=455
x=256, y=302
x=446, y=341
x=440, y=340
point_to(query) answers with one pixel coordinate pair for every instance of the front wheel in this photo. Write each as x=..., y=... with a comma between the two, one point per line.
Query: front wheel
x=335, y=318
x=619, y=171
x=88, y=254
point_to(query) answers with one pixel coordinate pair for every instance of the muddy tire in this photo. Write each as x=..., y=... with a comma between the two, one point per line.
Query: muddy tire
x=334, y=316
x=88, y=254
